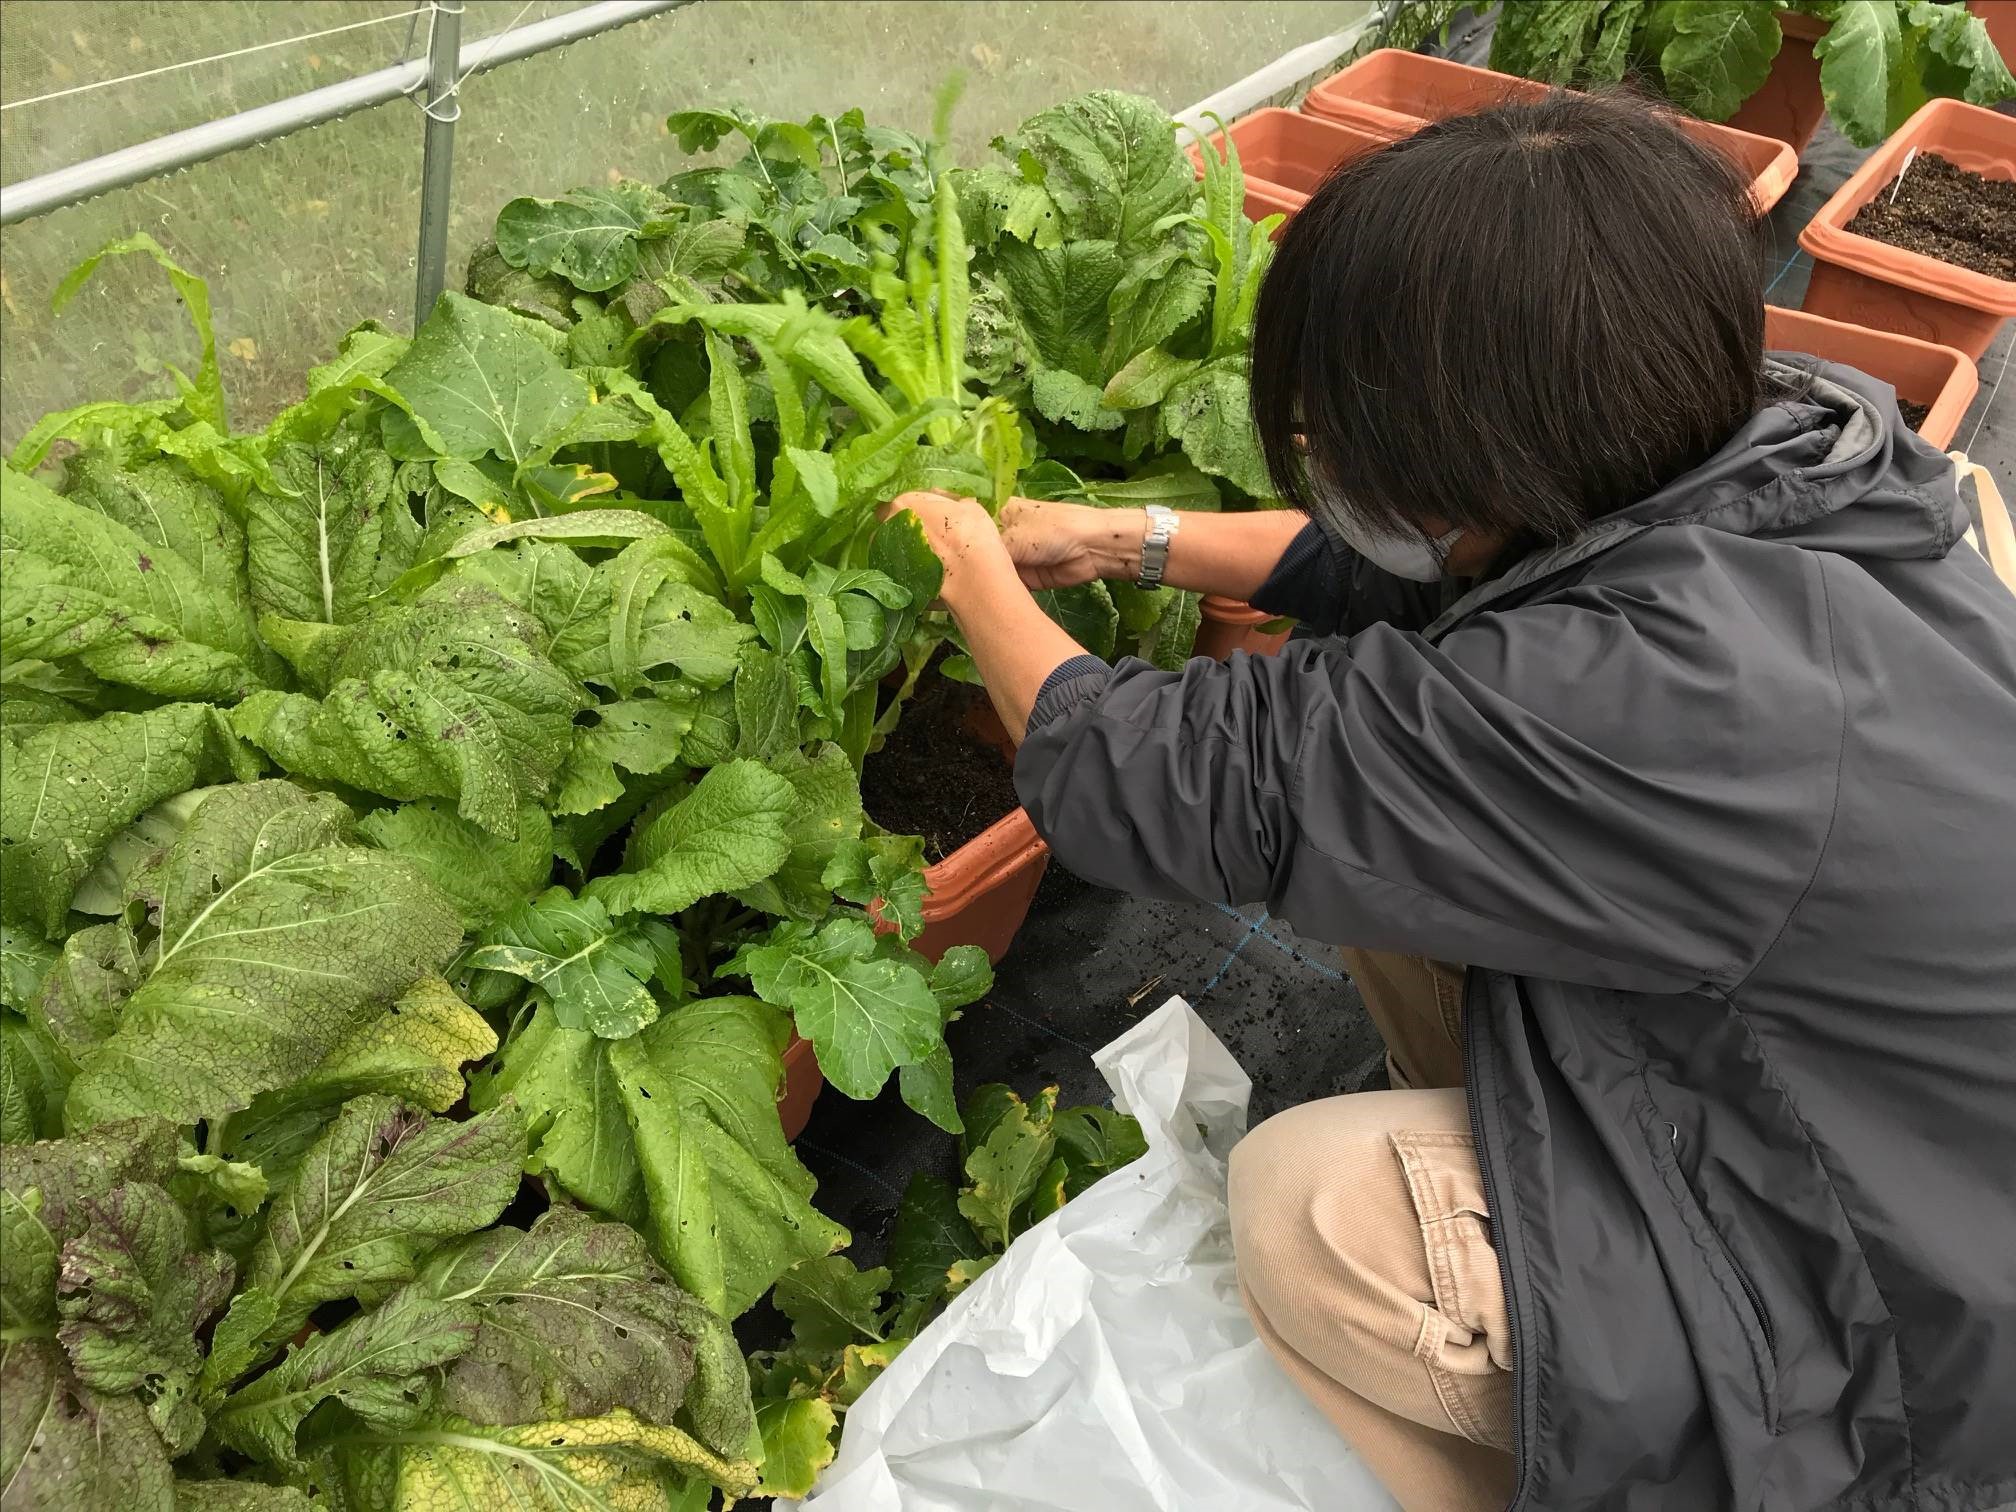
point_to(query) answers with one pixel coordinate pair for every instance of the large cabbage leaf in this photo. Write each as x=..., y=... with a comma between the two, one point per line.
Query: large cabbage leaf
x=336, y=533
x=68, y=789
x=451, y=697
x=381, y=1186
x=82, y=583
x=269, y=937
x=675, y=1132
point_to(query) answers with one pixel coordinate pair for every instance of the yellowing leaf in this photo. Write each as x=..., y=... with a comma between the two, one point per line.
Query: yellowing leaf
x=797, y=1444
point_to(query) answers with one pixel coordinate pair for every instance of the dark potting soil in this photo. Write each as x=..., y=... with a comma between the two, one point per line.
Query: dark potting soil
x=1948, y=212
x=934, y=777
x=1914, y=414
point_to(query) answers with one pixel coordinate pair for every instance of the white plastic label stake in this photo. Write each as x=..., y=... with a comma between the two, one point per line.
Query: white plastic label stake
x=1909, y=158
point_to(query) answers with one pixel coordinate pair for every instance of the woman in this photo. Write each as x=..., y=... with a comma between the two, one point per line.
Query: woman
x=1652, y=687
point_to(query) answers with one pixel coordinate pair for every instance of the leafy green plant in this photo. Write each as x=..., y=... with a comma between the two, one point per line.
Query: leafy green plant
x=1879, y=61
x=146, y=1359
x=456, y=781
x=1114, y=294
x=1022, y=1161
x=544, y=760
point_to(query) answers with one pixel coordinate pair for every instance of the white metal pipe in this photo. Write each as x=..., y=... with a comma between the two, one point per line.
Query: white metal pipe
x=181, y=149
x=1236, y=99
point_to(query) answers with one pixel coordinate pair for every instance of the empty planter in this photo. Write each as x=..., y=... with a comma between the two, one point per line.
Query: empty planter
x=1871, y=283
x=1286, y=155
x=1392, y=93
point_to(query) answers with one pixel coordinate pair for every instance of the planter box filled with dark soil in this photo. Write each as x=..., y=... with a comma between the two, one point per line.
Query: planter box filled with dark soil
x=1931, y=254
x=946, y=773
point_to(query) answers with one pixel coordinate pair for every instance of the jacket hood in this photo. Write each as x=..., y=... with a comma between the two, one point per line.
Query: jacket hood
x=1830, y=466
x=1827, y=466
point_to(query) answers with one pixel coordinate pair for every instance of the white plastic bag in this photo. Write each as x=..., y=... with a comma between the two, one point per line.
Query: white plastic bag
x=1104, y=1364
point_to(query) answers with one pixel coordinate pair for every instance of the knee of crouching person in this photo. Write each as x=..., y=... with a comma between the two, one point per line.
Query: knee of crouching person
x=1271, y=1190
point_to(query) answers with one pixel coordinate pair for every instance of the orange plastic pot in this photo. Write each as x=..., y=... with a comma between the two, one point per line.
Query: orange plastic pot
x=980, y=894
x=1392, y=93
x=1789, y=105
x=1870, y=283
x=1230, y=625
x=1286, y=155
x=803, y=1082
x=1938, y=377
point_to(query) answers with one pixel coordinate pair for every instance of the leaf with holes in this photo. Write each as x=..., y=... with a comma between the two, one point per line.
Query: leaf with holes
x=452, y=697
x=866, y=1014
x=277, y=938
x=596, y=973
x=375, y=1192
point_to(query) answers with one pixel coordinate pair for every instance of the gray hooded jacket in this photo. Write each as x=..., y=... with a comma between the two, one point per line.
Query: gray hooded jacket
x=1719, y=803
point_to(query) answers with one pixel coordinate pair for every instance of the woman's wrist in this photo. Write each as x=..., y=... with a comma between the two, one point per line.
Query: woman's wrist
x=1112, y=538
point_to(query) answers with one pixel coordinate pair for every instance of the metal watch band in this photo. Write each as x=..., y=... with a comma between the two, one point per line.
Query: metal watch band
x=1163, y=524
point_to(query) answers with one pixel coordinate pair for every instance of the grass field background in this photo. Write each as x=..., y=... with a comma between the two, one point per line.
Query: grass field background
x=304, y=237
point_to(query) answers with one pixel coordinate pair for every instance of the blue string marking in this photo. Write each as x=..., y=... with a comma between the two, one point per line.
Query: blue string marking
x=1277, y=942
x=1252, y=929
x=1055, y=1034
x=1783, y=271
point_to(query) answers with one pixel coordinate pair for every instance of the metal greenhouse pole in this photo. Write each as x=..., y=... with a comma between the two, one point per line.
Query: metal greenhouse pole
x=249, y=128
x=437, y=169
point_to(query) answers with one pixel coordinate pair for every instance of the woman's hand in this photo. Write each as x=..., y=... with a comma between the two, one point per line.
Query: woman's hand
x=1063, y=545
x=1014, y=643
x=960, y=531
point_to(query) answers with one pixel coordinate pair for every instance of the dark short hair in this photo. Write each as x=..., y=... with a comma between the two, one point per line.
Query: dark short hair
x=1519, y=319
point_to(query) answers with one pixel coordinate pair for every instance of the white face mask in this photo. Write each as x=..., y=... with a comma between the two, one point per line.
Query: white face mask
x=1414, y=557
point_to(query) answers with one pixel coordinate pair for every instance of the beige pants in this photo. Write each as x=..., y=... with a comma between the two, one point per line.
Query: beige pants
x=1366, y=1262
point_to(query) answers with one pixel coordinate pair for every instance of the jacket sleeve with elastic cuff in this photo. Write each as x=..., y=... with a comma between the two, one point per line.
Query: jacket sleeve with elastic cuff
x=1069, y=684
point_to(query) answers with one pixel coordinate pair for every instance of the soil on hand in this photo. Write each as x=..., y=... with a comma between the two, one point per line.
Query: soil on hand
x=1914, y=414
x=934, y=777
x=1946, y=211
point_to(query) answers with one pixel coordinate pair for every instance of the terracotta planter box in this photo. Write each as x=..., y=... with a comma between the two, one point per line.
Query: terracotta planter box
x=1999, y=16
x=1871, y=283
x=1789, y=106
x=980, y=894
x=802, y=1085
x=1391, y=93
x=1939, y=377
x=1286, y=155
x=1230, y=625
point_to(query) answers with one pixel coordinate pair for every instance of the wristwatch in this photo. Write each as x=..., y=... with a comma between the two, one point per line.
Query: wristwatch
x=1163, y=524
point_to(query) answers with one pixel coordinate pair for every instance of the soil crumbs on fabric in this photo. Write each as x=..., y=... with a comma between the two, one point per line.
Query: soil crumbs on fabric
x=934, y=777
x=1946, y=211
x=1914, y=414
